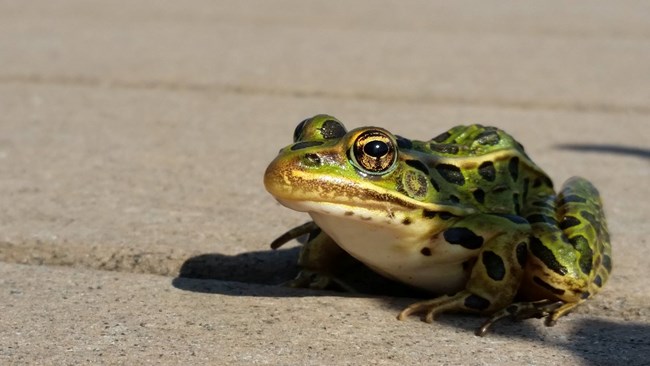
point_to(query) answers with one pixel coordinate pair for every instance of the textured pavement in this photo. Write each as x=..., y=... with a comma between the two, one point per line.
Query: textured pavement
x=134, y=226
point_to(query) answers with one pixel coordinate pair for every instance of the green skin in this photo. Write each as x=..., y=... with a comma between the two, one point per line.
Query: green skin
x=466, y=213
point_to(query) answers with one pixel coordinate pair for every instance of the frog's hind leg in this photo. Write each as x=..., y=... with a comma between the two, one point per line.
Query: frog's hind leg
x=497, y=273
x=569, y=255
x=582, y=220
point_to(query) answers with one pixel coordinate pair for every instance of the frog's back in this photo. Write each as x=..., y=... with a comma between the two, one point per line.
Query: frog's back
x=482, y=169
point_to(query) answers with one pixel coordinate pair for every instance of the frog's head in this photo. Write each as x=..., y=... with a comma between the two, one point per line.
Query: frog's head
x=362, y=174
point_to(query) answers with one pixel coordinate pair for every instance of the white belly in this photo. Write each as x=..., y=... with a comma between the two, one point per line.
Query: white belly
x=395, y=252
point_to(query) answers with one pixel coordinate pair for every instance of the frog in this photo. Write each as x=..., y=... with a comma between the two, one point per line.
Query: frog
x=466, y=217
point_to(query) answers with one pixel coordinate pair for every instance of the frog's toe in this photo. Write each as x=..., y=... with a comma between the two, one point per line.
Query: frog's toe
x=525, y=310
x=428, y=307
x=431, y=308
x=559, y=312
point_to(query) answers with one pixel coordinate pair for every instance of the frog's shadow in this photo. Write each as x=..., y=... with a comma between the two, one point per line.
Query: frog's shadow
x=266, y=272
x=270, y=267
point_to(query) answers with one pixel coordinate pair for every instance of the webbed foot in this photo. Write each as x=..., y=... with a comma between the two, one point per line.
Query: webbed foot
x=551, y=309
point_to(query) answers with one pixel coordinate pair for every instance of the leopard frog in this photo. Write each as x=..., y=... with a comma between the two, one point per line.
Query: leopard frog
x=466, y=216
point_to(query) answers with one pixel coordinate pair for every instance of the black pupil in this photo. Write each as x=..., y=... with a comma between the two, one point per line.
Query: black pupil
x=376, y=149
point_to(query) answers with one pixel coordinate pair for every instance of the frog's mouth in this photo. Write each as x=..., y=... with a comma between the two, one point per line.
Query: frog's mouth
x=337, y=196
x=367, y=211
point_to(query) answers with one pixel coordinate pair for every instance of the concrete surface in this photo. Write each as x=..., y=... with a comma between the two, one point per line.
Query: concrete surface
x=134, y=135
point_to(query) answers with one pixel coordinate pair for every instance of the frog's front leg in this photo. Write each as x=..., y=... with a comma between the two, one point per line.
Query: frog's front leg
x=497, y=272
x=321, y=260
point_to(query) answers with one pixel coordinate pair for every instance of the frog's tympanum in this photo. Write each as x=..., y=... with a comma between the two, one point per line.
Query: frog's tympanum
x=466, y=216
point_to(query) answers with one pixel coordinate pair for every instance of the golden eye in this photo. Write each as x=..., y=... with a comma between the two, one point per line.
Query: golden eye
x=374, y=152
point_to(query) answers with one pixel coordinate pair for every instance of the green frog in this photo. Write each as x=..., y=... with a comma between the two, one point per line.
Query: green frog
x=466, y=216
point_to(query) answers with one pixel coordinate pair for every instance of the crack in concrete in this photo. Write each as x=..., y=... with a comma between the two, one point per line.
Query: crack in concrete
x=110, y=258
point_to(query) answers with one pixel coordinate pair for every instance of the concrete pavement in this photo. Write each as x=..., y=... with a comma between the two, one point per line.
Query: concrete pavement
x=134, y=135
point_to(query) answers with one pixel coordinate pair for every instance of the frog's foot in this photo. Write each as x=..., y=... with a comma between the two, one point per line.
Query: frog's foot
x=318, y=281
x=432, y=308
x=309, y=279
x=551, y=309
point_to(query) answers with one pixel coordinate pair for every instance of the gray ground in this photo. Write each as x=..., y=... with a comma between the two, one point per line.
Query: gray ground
x=134, y=135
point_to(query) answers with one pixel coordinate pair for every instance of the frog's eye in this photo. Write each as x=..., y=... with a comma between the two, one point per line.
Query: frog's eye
x=319, y=127
x=374, y=152
x=298, y=131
